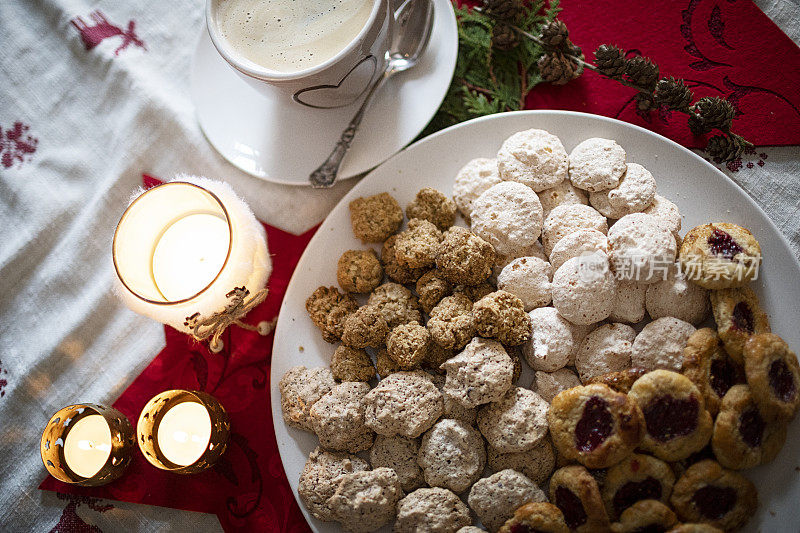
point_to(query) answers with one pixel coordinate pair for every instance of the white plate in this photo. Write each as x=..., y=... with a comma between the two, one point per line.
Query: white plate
x=702, y=193
x=284, y=142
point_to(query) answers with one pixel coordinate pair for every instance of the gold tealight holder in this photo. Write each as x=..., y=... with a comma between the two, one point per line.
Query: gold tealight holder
x=87, y=444
x=183, y=431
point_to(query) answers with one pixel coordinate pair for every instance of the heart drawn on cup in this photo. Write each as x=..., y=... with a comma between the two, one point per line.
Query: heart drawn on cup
x=348, y=90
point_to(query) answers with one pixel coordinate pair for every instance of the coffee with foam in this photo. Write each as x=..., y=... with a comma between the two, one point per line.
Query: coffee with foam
x=290, y=35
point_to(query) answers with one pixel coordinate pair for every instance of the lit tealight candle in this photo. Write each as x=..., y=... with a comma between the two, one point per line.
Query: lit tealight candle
x=88, y=445
x=184, y=433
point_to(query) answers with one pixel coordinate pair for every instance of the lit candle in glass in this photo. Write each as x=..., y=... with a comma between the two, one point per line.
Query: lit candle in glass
x=87, y=444
x=183, y=431
x=181, y=248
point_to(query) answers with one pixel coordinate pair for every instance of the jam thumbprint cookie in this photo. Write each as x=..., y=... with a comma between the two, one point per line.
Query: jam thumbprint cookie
x=536, y=518
x=711, y=494
x=621, y=381
x=594, y=425
x=639, y=477
x=738, y=317
x=677, y=423
x=720, y=256
x=773, y=374
x=742, y=438
x=575, y=491
x=645, y=515
x=710, y=368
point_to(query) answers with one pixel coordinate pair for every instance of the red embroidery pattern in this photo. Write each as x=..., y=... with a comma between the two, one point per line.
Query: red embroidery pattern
x=16, y=145
x=70, y=522
x=3, y=381
x=103, y=29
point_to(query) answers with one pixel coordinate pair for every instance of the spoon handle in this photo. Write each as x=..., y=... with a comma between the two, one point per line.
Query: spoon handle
x=325, y=175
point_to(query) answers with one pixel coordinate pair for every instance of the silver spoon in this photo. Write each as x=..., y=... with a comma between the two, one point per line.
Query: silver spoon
x=414, y=20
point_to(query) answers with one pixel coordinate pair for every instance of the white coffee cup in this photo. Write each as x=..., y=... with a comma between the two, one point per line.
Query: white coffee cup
x=336, y=82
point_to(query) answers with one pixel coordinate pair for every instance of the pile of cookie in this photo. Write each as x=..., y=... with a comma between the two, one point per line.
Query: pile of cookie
x=634, y=420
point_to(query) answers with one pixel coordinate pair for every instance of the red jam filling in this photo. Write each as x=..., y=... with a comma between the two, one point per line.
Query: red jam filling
x=721, y=243
x=742, y=317
x=634, y=491
x=751, y=426
x=722, y=376
x=781, y=381
x=668, y=417
x=714, y=502
x=594, y=426
x=571, y=506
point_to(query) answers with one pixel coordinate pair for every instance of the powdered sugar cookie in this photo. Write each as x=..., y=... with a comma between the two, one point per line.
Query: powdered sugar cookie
x=527, y=278
x=660, y=344
x=635, y=193
x=537, y=463
x=495, y=498
x=641, y=248
x=535, y=158
x=452, y=455
x=365, y=501
x=403, y=403
x=666, y=212
x=501, y=260
x=474, y=178
x=338, y=418
x=508, y=216
x=596, y=164
x=321, y=475
x=677, y=297
x=551, y=343
x=549, y=384
x=300, y=388
x=565, y=193
x=629, y=304
x=576, y=243
x=481, y=373
x=515, y=423
x=434, y=510
x=584, y=289
x=565, y=219
x=606, y=349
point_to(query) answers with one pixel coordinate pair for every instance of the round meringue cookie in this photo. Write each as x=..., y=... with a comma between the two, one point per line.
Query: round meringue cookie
x=596, y=164
x=641, y=248
x=527, y=278
x=661, y=343
x=515, y=423
x=629, y=303
x=508, y=216
x=549, y=384
x=535, y=158
x=584, y=289
x=551, y=344
x=565, y=193
x=565, y=219
x=666, y=212
x=635, y=193
x=677, y=297
x=501, y=260
x=474, y=178
x=576, y=243
x=606, y=349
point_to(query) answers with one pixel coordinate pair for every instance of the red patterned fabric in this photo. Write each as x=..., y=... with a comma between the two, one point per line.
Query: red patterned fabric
x=247, y=489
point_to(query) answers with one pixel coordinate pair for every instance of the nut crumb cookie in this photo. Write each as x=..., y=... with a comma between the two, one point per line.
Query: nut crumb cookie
x=321, y=475
x=536, y=517
x=595, y=425
x=596, y=164
x=338, y=418
x=418, y=246
x=396, y=304
x=431, y=288
x=433, y=206
x=433, y=510
x=394, y=270
x=474, y=178
x=351, y=364
x=359, y=271
x=515, y=423
x=452, y=455
x=738, y=316
x=773, y=375
x=710, y=494
x=645, y=515
x=710, y=368
x=375, y=218
x=366, y=327
x=638, y=477
x=409, y=345
x=403, y=403
x=537, y=463
x=502, y=315
x=399, y=454
x=495, y=498
x=384, y=364
x=576, y=493
x=535, y=158
x=720, y=255
x=300, y=389
x=451, y=323
x=676, y=421
x=328, y=310
x=464, y=258
x=480, y=374
x=366, y=500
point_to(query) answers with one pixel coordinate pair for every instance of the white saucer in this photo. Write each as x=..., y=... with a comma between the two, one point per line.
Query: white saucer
x=283, y=142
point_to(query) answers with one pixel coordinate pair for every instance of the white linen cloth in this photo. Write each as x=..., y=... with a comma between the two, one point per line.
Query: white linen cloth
x=101, y=120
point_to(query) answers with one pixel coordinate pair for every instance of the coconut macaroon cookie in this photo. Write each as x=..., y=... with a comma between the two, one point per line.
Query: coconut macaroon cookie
x=565, y=219
x=433, y=510
x=300, y=389
x=596, y=164
x=338, y=418
x=635, y=193
x=452, y=455
x=666, y=212
x=321, y=475
x=537, y=463
x=481, y=373
x=551, y=343
x=629, y=304
x=577, y=243
x=474, y=178
x=527, y=278
x=495, y=498
x=535, y=158
x=508, y=216
x=403, y=403
x=565, y=193
x=677, y=297
x=661, y=343
x=606, y=349
x=399, y=454
x=584, y=289
x=641, y=248
x=515, y=423
x=364, y=501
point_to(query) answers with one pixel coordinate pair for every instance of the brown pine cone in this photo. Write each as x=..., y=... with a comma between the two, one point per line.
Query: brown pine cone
x=504, y=37
x=508, y=10
x=715, y=112
x=555, y=34
x=673, y=93
x=558, y=69
x=610, y=60
x=642, y=72
x=644, y=101
x=722, y=148
x=696, y=124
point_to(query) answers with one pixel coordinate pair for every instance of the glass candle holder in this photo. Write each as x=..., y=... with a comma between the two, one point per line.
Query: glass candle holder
x=87, y=444
x=184, y=250
x=183, y=431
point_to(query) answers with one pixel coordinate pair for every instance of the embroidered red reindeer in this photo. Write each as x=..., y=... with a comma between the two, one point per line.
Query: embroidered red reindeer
x=103, y=29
